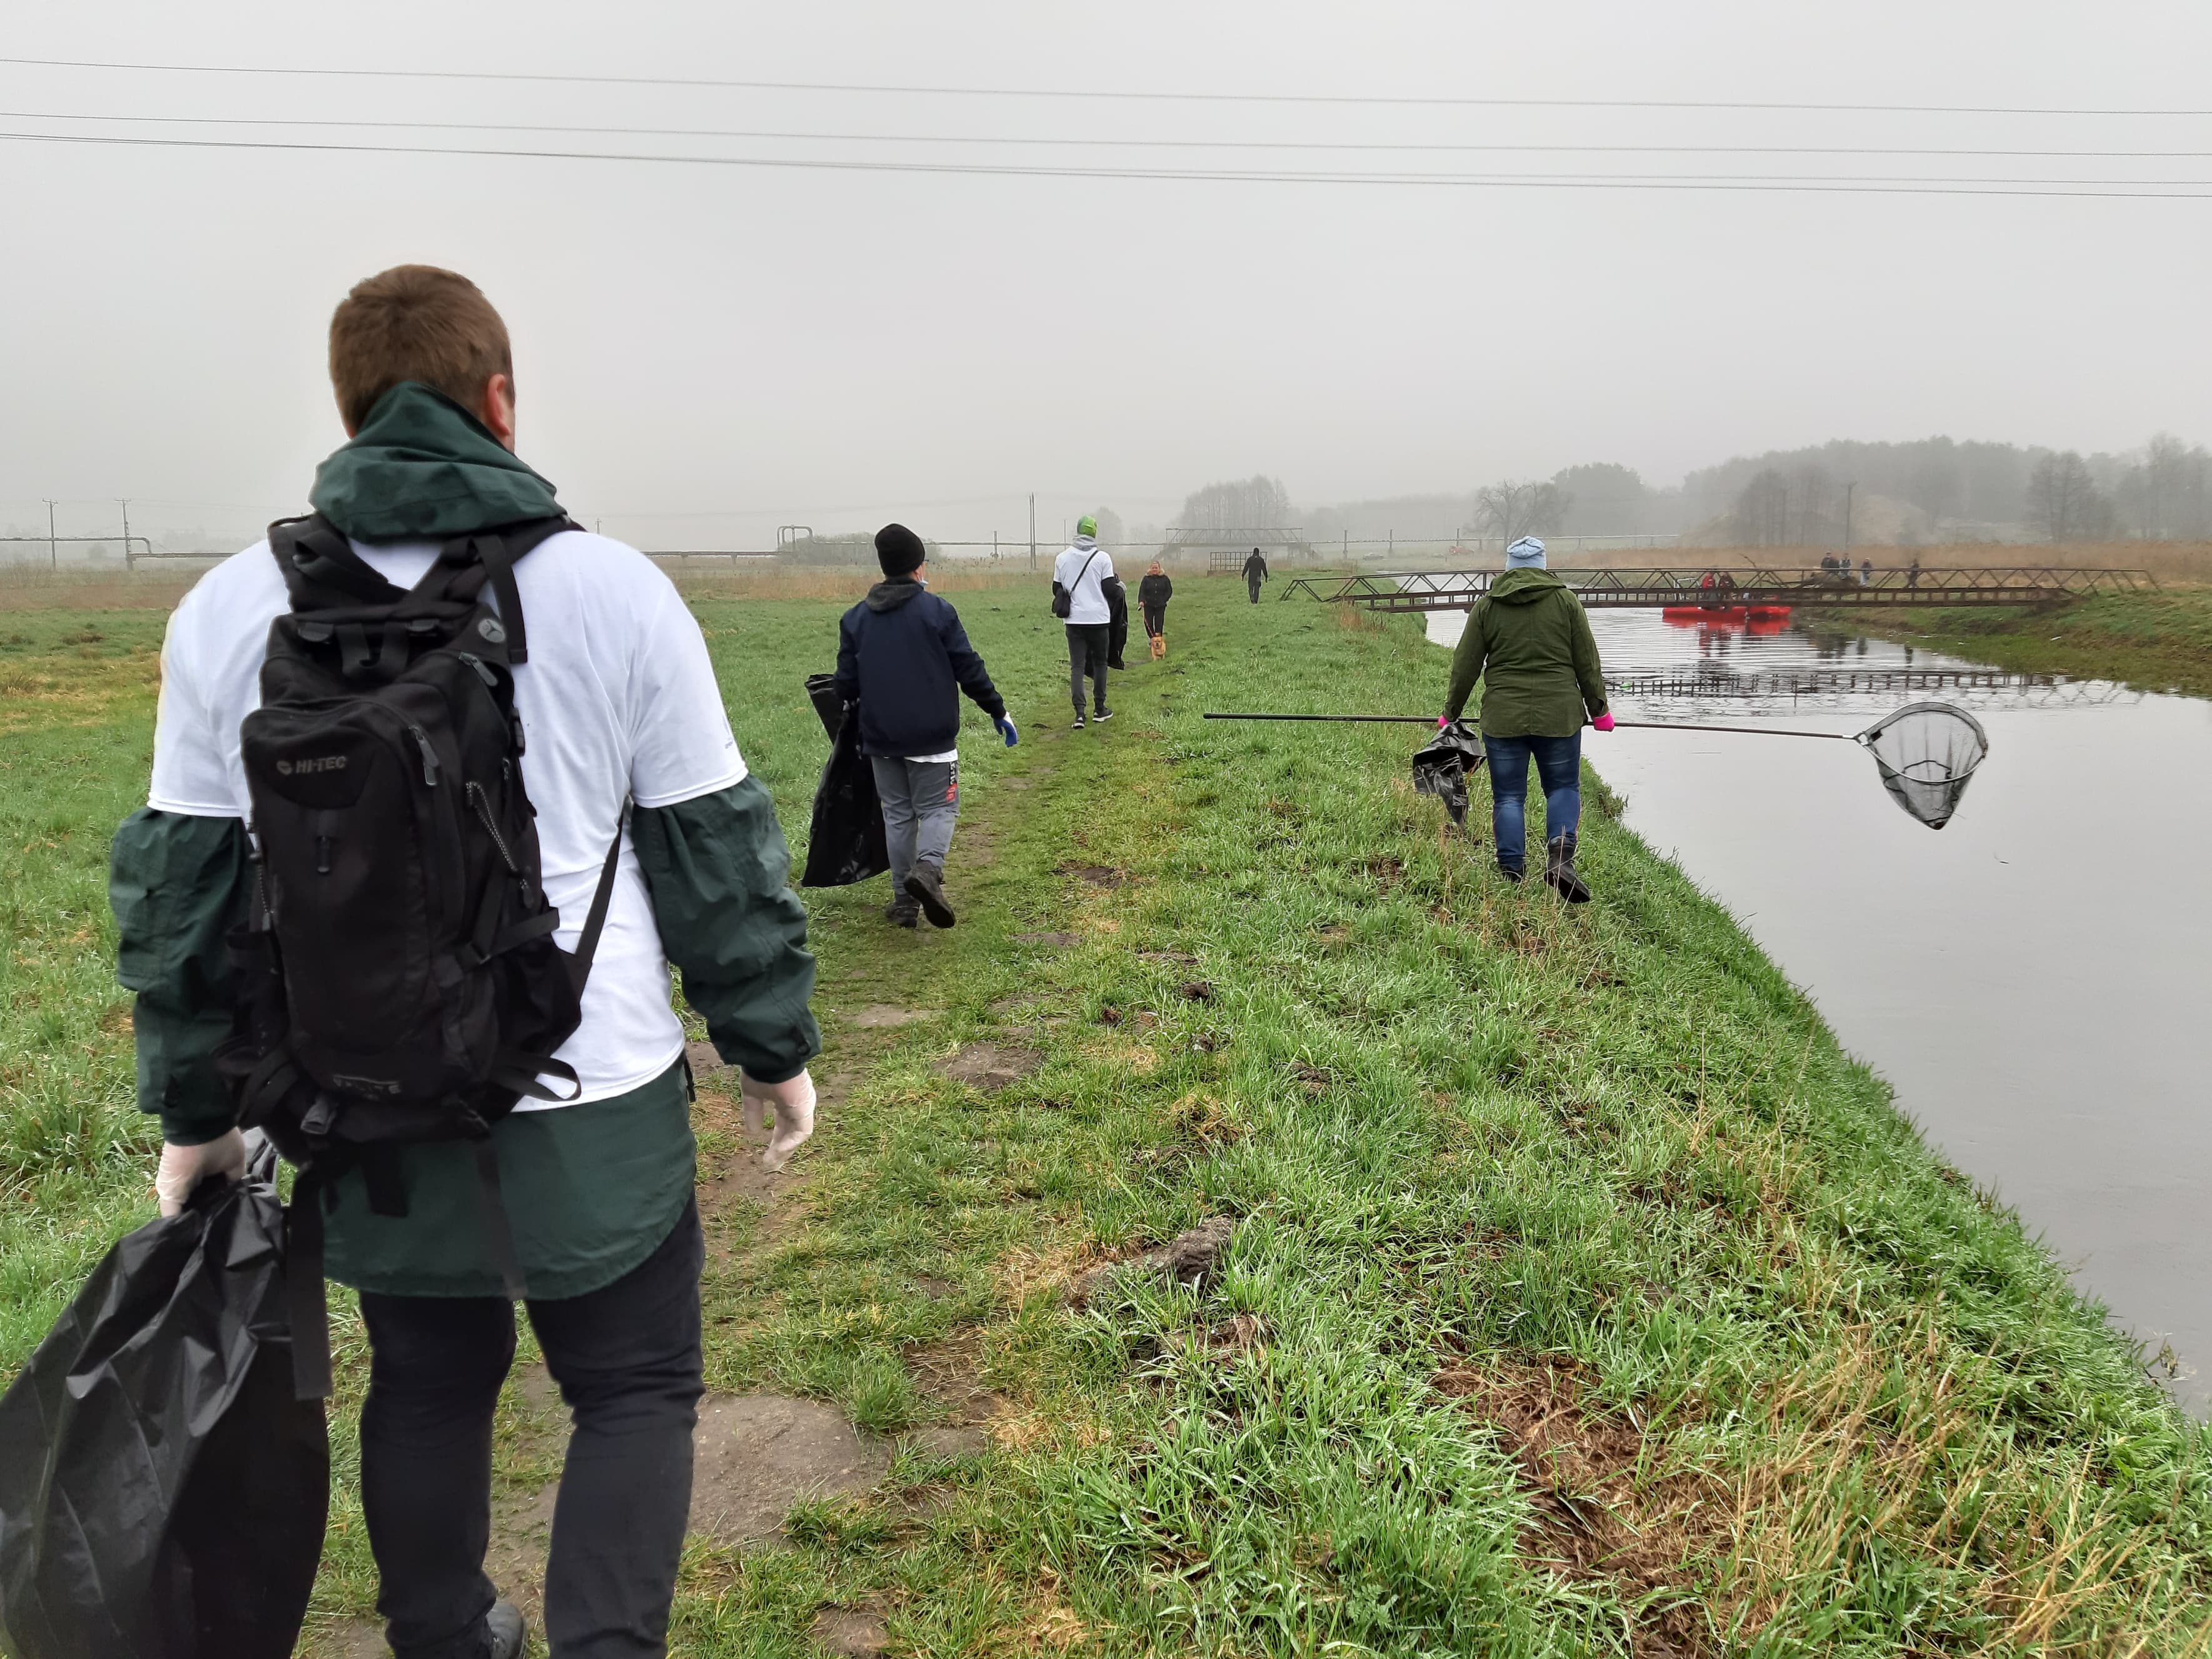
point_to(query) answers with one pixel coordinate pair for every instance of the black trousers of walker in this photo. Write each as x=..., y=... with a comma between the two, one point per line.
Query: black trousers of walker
x=627, y=1359
x=1088, y=644
x=1252, y=587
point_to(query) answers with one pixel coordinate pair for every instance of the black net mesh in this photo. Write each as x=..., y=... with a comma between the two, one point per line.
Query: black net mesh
x=1927, y=751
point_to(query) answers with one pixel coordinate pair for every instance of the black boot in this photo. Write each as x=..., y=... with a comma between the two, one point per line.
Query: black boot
x=1560, y=871
x=926, y=885
x=1510, y=871
x=902, y=912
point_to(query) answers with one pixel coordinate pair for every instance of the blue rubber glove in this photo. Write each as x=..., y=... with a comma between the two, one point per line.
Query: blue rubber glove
x=1005, y=725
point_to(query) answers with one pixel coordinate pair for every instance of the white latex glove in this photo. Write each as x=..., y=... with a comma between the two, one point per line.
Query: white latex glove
x=793, y=1101
x=183, y=1168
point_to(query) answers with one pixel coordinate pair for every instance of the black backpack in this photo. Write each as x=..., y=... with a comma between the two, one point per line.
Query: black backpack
x=400, y=979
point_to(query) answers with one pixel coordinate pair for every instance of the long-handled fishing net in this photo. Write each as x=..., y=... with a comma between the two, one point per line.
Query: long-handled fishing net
x=1925, y=751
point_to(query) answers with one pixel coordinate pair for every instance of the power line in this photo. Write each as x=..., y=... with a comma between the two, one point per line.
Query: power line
x=1088, y=93
x=1060, y=141
x=2185, y=189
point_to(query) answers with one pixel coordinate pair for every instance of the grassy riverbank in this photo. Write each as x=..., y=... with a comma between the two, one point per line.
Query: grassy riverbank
x=1579, y=1295
x=2155, y=641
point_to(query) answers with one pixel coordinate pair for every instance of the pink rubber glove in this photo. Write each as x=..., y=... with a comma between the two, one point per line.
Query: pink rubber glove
x=793, y=1101
x=1443, y=721
x=1603, y=722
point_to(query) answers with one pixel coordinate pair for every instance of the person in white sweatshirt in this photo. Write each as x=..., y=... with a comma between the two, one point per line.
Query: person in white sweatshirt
x=1085, y=572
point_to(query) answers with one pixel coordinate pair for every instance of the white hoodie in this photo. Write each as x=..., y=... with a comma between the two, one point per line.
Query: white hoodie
x=1089, y=602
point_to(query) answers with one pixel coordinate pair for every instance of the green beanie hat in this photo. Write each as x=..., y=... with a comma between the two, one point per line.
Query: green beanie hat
x=1086, y=525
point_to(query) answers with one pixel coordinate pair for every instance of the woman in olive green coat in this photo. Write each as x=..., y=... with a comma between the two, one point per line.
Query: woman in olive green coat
x=1528, y=641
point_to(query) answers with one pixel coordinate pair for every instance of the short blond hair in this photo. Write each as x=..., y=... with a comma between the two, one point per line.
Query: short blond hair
x=414, y=323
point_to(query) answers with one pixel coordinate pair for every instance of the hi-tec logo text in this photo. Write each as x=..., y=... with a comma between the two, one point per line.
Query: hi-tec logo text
x=317, y=764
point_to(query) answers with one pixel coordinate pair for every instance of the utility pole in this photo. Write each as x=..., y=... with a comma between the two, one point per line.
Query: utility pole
x=53, y=555
x=1847, y=515
x=127, y=565
x=1033, y=532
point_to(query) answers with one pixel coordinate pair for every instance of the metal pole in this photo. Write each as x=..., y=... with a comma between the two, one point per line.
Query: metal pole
x=53, y=555
x=1032, y=532
x=1847, y=515
x=128, y=567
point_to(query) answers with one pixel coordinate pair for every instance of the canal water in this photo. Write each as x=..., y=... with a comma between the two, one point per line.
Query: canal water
x=2033, y=980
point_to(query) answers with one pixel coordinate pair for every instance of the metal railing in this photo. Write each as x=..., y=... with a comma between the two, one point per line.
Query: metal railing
x=1710, y=587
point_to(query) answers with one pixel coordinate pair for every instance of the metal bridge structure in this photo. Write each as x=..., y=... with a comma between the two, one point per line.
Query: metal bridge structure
x=1227, y=547
x=1984, y=687
x=1714, y=588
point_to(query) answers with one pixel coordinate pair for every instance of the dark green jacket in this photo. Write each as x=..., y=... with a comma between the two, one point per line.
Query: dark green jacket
x=592, y=1188
x=1528, y=641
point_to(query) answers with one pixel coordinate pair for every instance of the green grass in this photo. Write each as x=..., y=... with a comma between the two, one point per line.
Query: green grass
x=2156, y=642
x=1583, y=1297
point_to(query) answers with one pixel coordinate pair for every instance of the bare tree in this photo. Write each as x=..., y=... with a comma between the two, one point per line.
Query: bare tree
x=1511, y=510
x=2167, y=495
x=1761, y=515
x=1110, y=526
x=1602, y=499
x=1255, y=503
x=1814, y=494
x=2063, y=501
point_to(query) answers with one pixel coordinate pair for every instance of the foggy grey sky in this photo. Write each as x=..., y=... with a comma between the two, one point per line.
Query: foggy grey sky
x=753, y=347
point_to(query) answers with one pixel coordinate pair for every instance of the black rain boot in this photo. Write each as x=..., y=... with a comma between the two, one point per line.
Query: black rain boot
x=927, y=886
x=1560, y=871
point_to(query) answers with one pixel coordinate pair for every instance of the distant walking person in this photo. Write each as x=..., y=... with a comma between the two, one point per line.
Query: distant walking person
x=1079, y=578
x=1255, y=572
x=1152, y=596
x=1528, y=641
x=904, y=658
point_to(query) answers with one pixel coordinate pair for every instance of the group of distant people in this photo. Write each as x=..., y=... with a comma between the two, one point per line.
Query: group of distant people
x=1837, y=567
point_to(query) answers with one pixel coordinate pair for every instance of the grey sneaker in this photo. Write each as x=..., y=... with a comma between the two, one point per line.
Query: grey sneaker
x=504, y=1626
x=926, y=885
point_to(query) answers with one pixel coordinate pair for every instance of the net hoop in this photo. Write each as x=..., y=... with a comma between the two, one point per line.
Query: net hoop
x=1926, y=753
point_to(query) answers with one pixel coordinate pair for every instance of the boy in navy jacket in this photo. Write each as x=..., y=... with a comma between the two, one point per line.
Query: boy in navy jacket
x=902, y=656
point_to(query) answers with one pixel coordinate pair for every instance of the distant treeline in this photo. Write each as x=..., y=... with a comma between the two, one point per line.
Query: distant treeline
x=1930, y=490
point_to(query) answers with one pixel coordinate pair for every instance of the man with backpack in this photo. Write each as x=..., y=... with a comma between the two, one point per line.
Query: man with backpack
x=1084, y=592
x=455, y=779
x=904, y=658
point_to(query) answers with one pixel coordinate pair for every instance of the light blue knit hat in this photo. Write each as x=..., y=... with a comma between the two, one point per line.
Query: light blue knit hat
x=1526, y=554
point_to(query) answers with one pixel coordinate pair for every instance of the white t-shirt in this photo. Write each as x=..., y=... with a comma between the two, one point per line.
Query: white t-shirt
x=617, y=697
x=1088, y=603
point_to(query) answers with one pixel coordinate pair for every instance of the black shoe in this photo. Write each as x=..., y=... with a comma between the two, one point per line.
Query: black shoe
x=504, y=1626
x=1078, y=720
x=1559, y=872
x=902, y=912
x=927, y=885
x=1510, y=871
x=1103, y=714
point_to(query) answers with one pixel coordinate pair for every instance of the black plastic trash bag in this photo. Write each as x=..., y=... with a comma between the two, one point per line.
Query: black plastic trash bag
x=1441, y=764
x=845, y=844
x=162, y=1495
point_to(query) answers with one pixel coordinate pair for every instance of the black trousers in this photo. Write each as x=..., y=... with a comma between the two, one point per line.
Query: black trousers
x=1252, y=587
x=1087, y=645
x=627, y=1358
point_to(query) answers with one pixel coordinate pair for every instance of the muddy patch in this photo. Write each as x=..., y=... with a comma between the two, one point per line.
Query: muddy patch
x=882, y=1016
x=992, y=1065
x=756, y=1454
x=949, y=1375
x=1602, y=1507
x=1097, y=875
x=705, y=1062
x=850, y=1632
x=1189, y=1258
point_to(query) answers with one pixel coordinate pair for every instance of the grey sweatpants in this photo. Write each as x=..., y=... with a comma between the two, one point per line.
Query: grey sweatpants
x=922, y=799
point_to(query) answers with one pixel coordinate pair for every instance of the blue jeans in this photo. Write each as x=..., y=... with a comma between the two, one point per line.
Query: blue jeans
x=1559, y=768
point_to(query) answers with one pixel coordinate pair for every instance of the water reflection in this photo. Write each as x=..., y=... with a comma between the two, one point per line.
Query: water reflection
x=2032, y=979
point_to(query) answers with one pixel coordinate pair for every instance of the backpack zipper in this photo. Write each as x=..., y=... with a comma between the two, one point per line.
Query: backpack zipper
x=475, y=794
x=429, y=755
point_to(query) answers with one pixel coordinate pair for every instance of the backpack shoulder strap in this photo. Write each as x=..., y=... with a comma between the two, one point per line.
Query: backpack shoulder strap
x=497, y=549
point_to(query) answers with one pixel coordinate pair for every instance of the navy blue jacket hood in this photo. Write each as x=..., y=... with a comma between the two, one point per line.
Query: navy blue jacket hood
x=904, y=656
